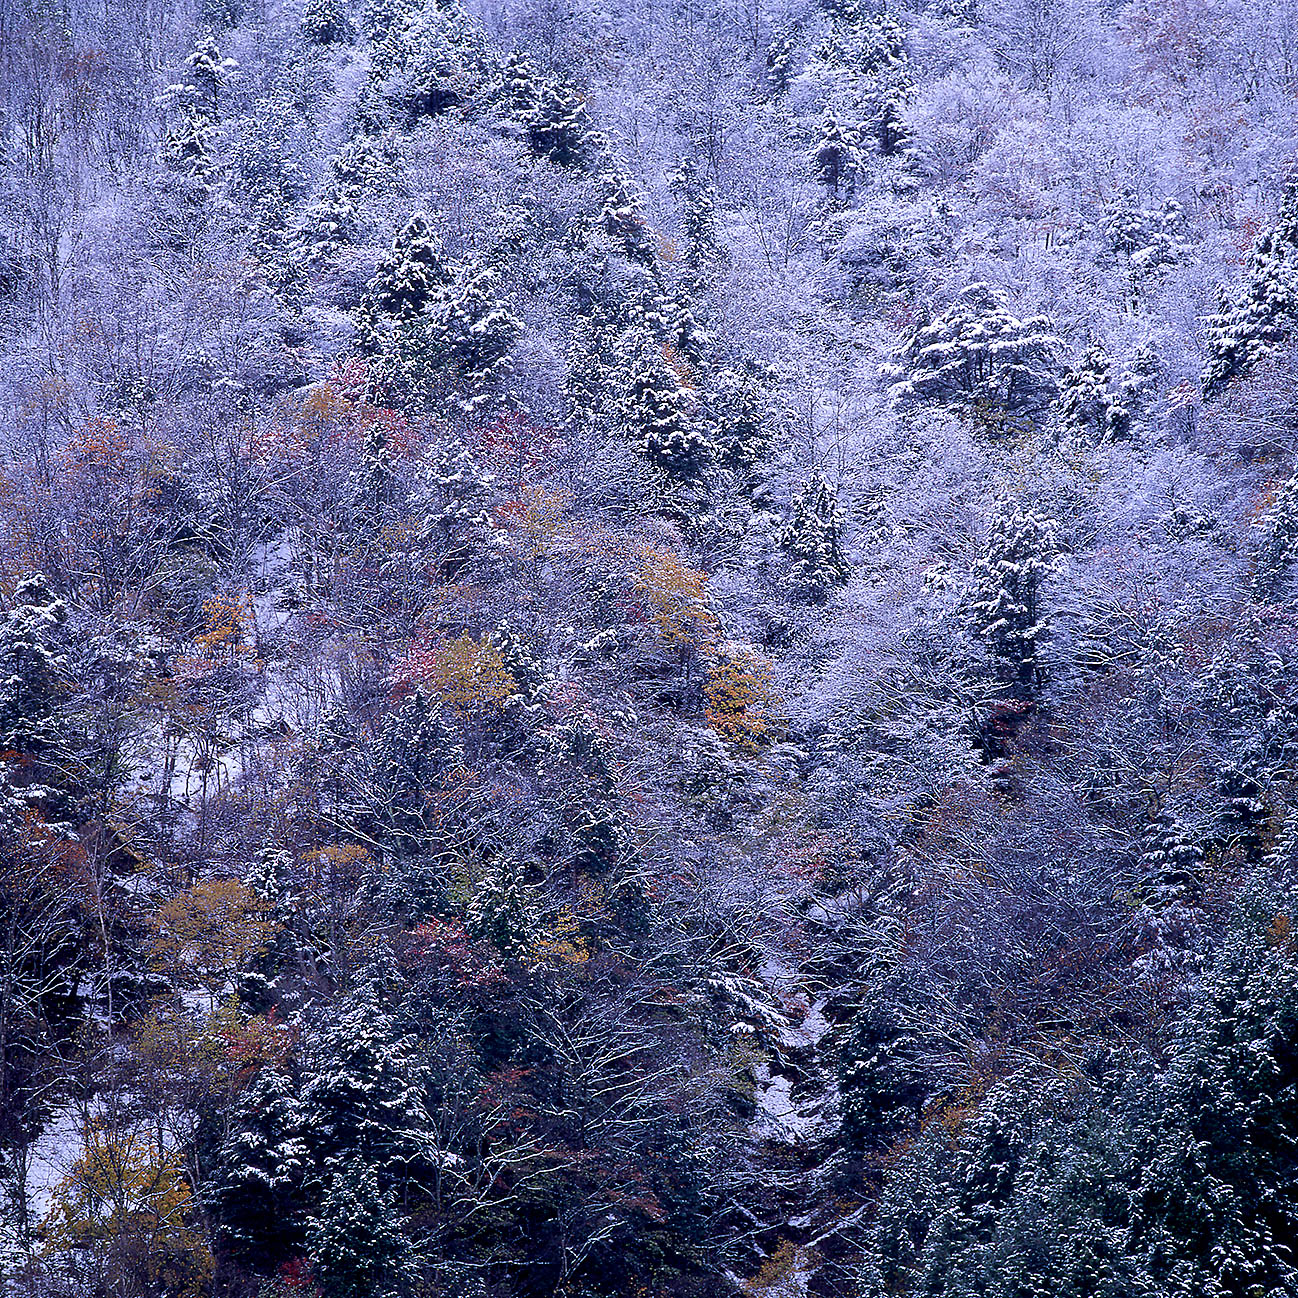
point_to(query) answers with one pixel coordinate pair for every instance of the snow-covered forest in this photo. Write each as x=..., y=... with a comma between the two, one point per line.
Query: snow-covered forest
x=648, y=650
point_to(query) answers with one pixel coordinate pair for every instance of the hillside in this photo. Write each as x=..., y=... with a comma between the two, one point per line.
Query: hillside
x=648, y=651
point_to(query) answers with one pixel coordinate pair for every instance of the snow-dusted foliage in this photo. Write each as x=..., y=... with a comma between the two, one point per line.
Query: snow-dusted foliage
x=648, y=650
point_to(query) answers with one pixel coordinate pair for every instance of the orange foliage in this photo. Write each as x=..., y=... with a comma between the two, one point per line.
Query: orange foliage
x=204, y=934
x=675, y=599
x=740, y=700
x=464, y=674
x=223, y=616
x=534, y=518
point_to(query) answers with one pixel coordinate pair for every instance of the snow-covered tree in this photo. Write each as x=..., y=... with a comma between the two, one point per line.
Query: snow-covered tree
x=836, y=157
x=373, y=484
x=657, y=412
x=1219, y=1135
x=743, y=424
x=475, y=330
x=33, y=669
x=1253, y=322
x=1088, y=405
x=559, y=128
x=263, y=1172
x=978, y=355
x=1277, y=546
x=621, y=218
x=697, y=199
x=325, y=22
x=355, y=1242
x=813, y=539
x=1003, y=601
x=364, y=1099
x=502, y=912
x=453, y=500
x=520, y=86
x=414, y=273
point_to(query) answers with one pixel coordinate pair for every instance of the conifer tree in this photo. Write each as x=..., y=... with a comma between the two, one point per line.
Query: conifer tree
x=197, y=102
x=1278, y=543
x=1214, y=1209
x=476, y=331
x=836, y=158
x=1087, y=405
x=742, y=420
x=621, y=218
x=364, y=1099
x=883, y=1092
x=558, y=127
x=1004, y=598
x=1250, y=325
x=521, y=88
x=412, y=276
x=977, y=355
x=453, y=500
x=209, y=73
x=373, y=483
x=1244, y=812
x=813, y=540
x=263, y=1174
x=779, y=63
x=657, y=413
x=440, y=64
x=697, y=200
x=518, y=659
x=33, y=667
x=355, y=1242
x=501, y=911
x=325, y=22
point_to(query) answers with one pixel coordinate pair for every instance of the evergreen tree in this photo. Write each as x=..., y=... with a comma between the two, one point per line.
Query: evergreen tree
x=364, y=1100
x=1262, y=314
x=892, y=132
x=325, y=22
x=501, y=911
x=413, y=275
x=1087, y=406
x=355, y=1242
x=1004, y=598
x=813, y=540
x=520, y=86
x=33, y=671
x=697, y=200
x=558, y=127
x=263, y=1173
x=657, y=413
x=1278, y=544
x=1170, y=864
x=836, y=158
x=453, y=499
x=197, y=102
x=1244, y=812
x=742, y=421
x=779, y=63
x=977, y=355
x=209, y=73
x=401, y=777
x=882, y=1089
x=621, y=218
x=1215, y=1206
x=524, y=667
x=475, y=330
x=329, y=225
x=373, y=485
x=1167, y=919
x=440, y=64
